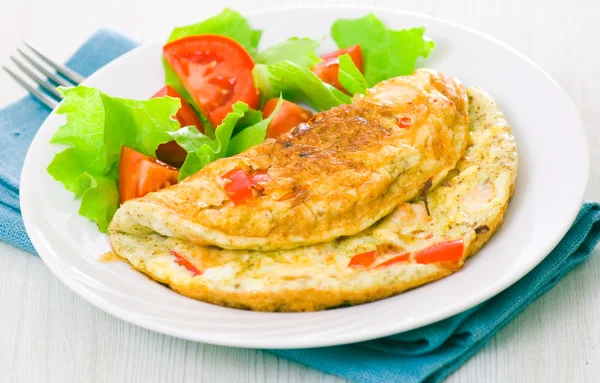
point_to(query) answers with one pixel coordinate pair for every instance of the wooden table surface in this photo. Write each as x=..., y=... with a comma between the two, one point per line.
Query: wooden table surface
x=48, y=334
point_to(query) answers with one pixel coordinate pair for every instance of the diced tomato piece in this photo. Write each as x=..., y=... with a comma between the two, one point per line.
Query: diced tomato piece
x=328, y=69
x=239, y=187
x=170, y=152
x=215, y=70
x=140, y=174
x=404, y=122
x=362, y=260
x=451, y=251
x=288, y=116
x=397, y=259
x=182, y=261
x=258, y=179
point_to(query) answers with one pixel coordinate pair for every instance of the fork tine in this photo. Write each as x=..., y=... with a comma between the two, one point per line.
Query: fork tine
x=43, y=83
x=43, y=70
x=63, y=70
x=47, y=100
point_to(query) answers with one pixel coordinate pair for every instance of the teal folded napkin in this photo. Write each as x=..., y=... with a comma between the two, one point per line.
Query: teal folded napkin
x=427, y=354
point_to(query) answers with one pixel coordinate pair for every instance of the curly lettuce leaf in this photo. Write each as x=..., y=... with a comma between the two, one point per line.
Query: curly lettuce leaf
x=350, y=76
x=252, y=135
x=97, y=127
x=251, y=130
x=300, y=51
x=100, y=201
x=228, y=23
x=387, y=53
x=297, y=83
x=202, y=149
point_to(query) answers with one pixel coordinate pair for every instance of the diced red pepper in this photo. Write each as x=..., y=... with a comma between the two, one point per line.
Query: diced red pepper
x=239, y=187
x=404, y=122
x=182, y=261
x=397, y=259
x=451, y=251
x=362, y=260
x=258, y=179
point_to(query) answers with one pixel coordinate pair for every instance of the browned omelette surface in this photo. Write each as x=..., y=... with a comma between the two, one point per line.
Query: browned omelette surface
x=334, y=176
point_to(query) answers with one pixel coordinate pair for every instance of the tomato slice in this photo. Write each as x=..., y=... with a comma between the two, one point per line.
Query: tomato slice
x=397, y=259
x=288, y=116
x=239, y=187
x=170, y=152
x=140, y=174
x=182, y=261
x=362, y=260
x=215, y=70
x=258, y=179
x=451, y=251
x=328, y=69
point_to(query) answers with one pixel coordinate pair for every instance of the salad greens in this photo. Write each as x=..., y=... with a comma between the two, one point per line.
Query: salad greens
x=97, y=127
x=300, y=51
x=350, y=77
x=203, y=150
x=252, y=135
x=297, y=83
x=386, y=52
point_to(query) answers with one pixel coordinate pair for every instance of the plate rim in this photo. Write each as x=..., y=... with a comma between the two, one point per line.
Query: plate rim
x=39, y=244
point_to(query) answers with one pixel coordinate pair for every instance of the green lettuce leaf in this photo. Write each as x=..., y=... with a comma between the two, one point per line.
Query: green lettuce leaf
x=387, y=53
x=202, y=149
x=97, y=127
x=297, y=83
x=300, y=51
x=252, y=135
x=100, y=201
x=228, y=23
x=250, y=118
x=350, y=76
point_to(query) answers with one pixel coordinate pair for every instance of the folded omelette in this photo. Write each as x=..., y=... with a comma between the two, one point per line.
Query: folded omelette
x=334, y=176
x=389, y=257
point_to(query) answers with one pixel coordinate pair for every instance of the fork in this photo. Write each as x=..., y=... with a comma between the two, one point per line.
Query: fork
x=47, y=94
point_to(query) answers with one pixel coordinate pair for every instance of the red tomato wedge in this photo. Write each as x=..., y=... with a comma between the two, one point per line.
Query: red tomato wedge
x=258, y=179
x=288, y=116
x=397, y=259
x=362, y=260
x=182, y=261
x=451, y=251
x=239, y=187
x=140, y=174
x=328, y=69
x=170, y=152
x=215, y=70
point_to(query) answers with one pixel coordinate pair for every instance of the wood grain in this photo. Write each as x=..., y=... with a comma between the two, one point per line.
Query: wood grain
x=48, y=334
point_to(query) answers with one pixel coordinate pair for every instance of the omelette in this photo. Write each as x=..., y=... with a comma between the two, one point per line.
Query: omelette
x=334, y=176
x=397, y=253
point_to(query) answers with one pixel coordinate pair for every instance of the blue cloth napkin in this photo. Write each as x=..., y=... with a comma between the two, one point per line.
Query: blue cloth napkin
x=427, y=354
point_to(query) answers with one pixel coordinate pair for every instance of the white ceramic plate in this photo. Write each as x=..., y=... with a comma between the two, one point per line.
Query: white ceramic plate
x=553, y=174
